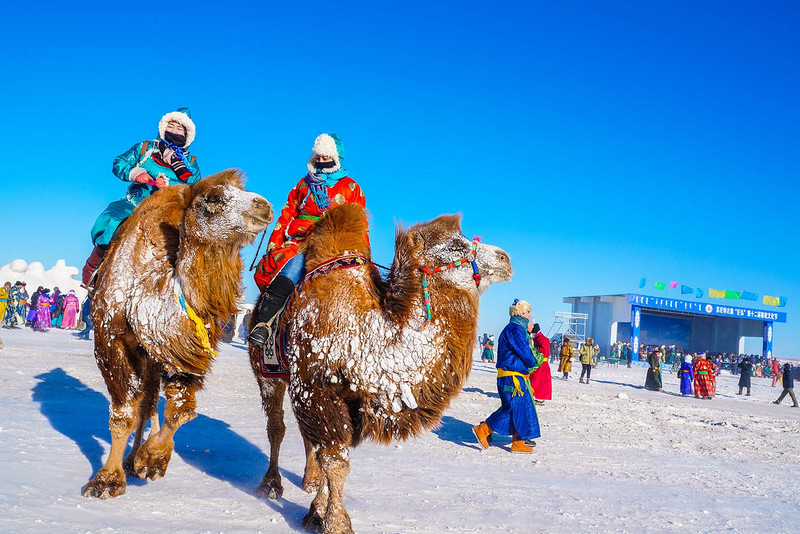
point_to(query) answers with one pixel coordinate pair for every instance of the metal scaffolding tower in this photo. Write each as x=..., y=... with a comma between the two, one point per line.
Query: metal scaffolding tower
x=571, y=325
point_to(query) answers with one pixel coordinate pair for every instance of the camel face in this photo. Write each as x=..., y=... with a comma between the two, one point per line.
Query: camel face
x=443, y=243
x=227, y=213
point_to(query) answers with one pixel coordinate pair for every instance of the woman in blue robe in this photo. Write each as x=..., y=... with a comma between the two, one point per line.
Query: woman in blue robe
x=516, y=416
x=687, y=376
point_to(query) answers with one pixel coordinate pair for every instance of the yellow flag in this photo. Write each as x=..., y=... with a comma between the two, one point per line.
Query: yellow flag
x=771, y=301
x=716, y=294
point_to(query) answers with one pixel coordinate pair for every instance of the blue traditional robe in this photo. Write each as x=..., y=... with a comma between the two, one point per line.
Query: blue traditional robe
x=687, y=378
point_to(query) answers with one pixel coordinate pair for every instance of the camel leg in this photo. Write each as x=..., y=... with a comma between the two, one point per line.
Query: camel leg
x=110, y=479
x=312, y=473
x=153, y=456
x=148, y=409
x=335, y=464
x=312, y=521
x=272, y=394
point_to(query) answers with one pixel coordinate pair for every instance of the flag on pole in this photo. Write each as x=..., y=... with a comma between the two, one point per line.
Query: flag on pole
x=716, y=294
x=749, y=295
x=642, y=282
x=729, y=294
x=660, y=285
x=781, y=301
x=673, y=284
x=686, y=290
x=771, y=301
x=699, y=293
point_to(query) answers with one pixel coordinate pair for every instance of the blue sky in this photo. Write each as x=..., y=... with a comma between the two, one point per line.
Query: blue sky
x=596, y=142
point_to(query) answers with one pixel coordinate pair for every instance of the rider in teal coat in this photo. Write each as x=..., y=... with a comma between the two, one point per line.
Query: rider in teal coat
x=148, y=166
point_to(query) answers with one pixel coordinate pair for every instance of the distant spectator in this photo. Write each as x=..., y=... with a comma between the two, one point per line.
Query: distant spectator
x=43, y=311
x=587, y=359
x=86, y=316
x=788, y=385
x=71, y=308
x=565, y=358
x=687, y=376
x=746, y=369
x=4, y=291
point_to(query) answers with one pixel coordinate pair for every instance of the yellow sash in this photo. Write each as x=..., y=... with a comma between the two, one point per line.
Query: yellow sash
x=502, y=373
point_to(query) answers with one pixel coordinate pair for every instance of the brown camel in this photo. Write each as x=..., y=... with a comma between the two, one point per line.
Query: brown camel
x=366, y=360
x=162, y=296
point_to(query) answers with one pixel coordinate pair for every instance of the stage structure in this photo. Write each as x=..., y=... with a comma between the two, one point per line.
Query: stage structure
x=689, y=324
x=572, y=325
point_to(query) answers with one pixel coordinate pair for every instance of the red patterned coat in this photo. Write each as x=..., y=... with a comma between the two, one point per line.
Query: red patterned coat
x=297, y=217
x=541, y=379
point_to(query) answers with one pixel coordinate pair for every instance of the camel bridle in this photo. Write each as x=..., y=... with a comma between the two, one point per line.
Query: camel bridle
x=470, y=258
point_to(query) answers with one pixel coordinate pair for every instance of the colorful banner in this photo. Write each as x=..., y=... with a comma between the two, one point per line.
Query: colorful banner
x=782, y=301
x=642, y=282
x=704, y=308
x=686, y=290
x=660, y=285
x=729, y=294
x=716, y=294
x=749, y=295
x=771, y=301
x=673, y=284
x=699, y=293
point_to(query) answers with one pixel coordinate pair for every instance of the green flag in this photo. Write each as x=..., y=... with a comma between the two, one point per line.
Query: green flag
x=660, y=285
x=733, y=294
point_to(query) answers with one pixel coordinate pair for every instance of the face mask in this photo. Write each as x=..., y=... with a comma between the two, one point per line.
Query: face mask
x=322, y=165
x=175, y=138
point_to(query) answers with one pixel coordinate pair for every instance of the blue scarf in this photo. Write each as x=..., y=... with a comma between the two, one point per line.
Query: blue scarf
x=520, y=320
x=318, y=184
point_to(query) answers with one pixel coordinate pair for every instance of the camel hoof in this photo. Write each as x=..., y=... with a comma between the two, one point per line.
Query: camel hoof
x=312, y=522
x=269, y=491
x=105, y=485
x=311, y=486
x=152, y=463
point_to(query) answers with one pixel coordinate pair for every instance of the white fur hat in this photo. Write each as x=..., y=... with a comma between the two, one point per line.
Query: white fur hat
x=182, y=116
x=327, y=145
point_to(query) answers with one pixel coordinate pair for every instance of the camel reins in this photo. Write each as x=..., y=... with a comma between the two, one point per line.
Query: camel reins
x=476, y=276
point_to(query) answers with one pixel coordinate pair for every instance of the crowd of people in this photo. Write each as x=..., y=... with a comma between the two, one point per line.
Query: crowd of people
x=43, y=309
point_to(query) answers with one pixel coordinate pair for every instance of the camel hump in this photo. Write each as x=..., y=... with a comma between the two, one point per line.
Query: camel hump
x=341, y=229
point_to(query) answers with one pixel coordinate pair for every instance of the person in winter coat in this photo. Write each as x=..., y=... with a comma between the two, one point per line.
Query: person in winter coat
x=788, y=385
x=86, y=316
x=71, y=308
x=587, y=359
x=745, y=369
x=515, y=361
x=565, y=358
x=30, y=318
x=541, y=379
x=12, y=318
x=488, y=350
x=776, y=371
x=43, y=311
x=56, y=307
x=148, y=166
x=703, y=370
x=687, y=376
x=653, y=380
x=326, y=186
x=4, y=291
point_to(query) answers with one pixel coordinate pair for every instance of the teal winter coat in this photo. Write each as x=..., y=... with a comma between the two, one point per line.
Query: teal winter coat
x=131, y=162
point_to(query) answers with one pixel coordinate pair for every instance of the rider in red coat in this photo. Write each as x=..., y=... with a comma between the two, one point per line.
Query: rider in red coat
x=324, y=187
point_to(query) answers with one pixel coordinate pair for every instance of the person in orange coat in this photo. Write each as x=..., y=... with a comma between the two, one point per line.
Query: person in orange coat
x=326, y=186
x=541, y=378
x=776, y=371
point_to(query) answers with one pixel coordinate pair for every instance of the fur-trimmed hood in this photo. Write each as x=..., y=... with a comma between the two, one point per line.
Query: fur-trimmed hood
x=327, y=145
x=182, y=116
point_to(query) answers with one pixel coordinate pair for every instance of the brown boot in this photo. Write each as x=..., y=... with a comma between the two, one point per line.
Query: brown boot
x=482, y=433
x=748, y=392
x=518, y=446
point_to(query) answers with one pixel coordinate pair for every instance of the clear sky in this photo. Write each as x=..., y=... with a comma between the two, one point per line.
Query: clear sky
x=596, y=142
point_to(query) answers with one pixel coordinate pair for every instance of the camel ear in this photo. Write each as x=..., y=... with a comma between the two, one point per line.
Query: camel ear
x=416, y=239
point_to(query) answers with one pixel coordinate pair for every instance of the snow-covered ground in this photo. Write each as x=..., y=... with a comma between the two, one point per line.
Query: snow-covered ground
x=613, y=458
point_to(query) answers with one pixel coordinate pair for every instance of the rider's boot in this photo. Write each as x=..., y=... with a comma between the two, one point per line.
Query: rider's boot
x=270, y=304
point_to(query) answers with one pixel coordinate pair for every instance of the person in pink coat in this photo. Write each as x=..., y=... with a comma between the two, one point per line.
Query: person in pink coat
x=43, y=312
x=71, y=307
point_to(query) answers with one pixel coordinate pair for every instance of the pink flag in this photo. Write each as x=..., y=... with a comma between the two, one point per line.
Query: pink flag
x=673, y=285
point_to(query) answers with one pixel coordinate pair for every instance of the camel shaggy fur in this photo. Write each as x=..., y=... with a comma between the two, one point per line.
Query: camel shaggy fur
x=162, y=296
x=362, y=366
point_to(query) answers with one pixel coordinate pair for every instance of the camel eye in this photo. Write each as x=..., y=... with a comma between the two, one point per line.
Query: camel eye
x=214, y=199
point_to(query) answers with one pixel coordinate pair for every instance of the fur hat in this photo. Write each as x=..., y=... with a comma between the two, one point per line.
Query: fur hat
x=182, y=116
x=327, y=145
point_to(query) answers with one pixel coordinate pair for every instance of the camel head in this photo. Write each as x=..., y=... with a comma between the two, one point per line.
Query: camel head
x=440, y=243
x=220, y=211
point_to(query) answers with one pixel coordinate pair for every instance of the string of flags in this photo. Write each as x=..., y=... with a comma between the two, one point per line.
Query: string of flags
x=767, y=300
